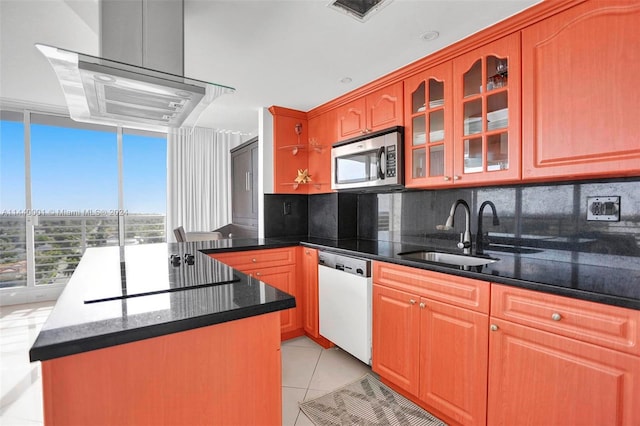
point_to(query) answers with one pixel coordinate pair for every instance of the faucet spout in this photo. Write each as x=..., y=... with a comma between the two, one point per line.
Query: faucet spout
x=465, y=238
x=480, y=235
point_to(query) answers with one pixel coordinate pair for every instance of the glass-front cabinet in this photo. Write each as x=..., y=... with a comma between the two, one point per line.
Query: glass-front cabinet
x=487, y=113
x=429, y=127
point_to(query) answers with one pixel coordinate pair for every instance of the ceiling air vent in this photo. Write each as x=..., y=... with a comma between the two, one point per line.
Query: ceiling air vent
x=359, y=9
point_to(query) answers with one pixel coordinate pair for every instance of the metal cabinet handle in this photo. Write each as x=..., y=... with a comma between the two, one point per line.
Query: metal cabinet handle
x=254, y=260
x=247, y=181
x=456, y=177
x=556, y=316
x=493, y=327
x=423, y=305
x=447, y=178
x=413, y=302
x=257, y=274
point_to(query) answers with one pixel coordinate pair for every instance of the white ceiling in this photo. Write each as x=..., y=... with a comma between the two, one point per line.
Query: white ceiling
x=291, y=53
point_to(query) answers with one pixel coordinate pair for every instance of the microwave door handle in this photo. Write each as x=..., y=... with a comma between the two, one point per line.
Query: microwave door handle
x=381, y=173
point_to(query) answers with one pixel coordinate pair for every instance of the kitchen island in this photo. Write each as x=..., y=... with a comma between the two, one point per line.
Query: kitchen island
x=134, y=339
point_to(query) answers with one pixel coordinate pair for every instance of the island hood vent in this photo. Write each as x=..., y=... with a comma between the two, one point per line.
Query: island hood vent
x=103, y=91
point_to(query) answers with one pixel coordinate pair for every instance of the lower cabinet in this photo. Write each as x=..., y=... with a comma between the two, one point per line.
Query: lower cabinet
x=560, y=361
x=436, y=351
x=309, y=265
x=276, y=267
x=538, y=378
x=283, y=278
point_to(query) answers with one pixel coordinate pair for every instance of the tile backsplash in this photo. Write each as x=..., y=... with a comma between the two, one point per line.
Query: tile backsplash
x=547, y=216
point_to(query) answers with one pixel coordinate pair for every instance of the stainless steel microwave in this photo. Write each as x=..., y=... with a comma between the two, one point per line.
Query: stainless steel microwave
x=368, y=162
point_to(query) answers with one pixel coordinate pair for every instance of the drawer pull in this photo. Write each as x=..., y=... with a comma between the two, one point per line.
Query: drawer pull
x=423, y=305
x=413, y=302
x=254, y=260
x=556, y=316
x=493, y=327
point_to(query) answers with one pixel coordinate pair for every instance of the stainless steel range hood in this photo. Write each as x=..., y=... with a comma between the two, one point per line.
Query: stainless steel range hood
x=104, y=91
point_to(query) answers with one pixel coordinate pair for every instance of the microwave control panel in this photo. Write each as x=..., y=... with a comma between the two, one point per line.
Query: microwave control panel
x=391, y=161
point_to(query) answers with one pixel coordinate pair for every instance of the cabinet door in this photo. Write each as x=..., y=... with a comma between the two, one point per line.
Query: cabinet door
x=538, y=378
x=580, y=92
x=352, y=119
x=244, y=197
x=310, y=291
x=384, y=108
x=396, y=345
x=429, y=128
x=283, y=278
x=376, y=111
x=454, y=349
x=487, y=113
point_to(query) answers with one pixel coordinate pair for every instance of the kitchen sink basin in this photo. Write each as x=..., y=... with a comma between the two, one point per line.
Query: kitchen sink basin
x=448, y=258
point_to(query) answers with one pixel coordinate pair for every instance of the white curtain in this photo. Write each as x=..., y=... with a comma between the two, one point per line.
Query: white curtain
x=199, y=179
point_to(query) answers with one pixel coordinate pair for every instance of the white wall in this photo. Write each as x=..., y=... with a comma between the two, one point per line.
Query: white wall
x=265, y=163
x=25, y=74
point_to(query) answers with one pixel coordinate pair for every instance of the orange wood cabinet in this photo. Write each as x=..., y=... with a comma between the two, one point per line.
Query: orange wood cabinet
x=539, y=376
x=290, y=149
x=429, y=127
x=276, y=267
x=580, y=93
x=375, y=111
x=308, y=267
x=322, y=134
x=396, y=337
x=427, y=344
x=486, y=90
x=198, y=376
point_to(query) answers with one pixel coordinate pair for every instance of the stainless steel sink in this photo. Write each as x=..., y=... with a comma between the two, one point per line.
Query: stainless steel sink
x=448, y=258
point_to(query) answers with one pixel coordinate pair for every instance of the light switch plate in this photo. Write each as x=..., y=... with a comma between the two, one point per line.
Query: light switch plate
x=603, y=209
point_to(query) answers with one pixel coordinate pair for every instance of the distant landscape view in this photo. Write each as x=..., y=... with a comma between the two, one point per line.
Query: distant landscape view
x=59, y=243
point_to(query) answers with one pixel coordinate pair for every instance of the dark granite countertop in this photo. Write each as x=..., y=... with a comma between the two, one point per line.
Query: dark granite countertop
x=160, y=299
x=121, y=295
x=609, y=279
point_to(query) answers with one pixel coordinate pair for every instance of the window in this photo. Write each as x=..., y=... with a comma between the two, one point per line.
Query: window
x=13, y=238
x=82, y=186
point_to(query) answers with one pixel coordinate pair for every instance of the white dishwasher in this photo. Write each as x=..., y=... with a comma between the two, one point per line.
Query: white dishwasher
x=344, y=299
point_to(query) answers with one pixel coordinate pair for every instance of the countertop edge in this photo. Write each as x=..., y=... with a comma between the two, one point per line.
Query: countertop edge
x=57, y=350
x=530, y=285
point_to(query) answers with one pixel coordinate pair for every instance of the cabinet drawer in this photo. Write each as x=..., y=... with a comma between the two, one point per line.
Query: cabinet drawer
x=604, y=325
x=459, y=291
x=243, y=260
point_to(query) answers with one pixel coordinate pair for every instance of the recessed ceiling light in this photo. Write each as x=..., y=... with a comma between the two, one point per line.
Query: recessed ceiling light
x=429, y=35
x=346, y=80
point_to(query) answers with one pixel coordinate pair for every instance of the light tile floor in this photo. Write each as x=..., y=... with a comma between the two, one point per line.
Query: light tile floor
x=308, y=370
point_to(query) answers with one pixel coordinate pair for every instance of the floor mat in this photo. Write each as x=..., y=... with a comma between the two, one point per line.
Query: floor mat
x=366, y=402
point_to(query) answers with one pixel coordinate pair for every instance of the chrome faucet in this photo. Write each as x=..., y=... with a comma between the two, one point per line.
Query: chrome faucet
x=465, y=237
x=496, y=222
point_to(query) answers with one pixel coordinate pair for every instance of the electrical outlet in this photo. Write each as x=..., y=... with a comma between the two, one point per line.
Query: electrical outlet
x=604, y=209
x=287, y=208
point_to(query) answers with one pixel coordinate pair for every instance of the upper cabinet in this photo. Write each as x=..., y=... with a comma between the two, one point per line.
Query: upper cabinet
x=290, y=149
x=429, y=127
x=375, y=111
x=486, y=89
x=580, y=93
